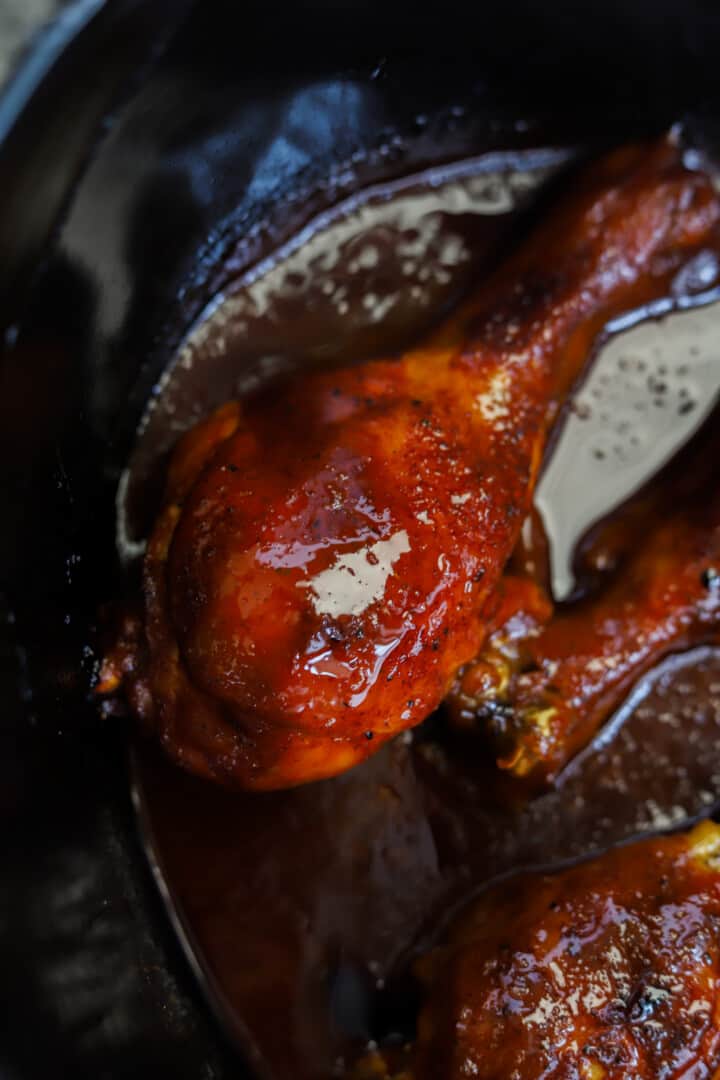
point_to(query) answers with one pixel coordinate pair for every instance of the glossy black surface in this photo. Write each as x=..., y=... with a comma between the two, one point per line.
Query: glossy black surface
x=135, y=178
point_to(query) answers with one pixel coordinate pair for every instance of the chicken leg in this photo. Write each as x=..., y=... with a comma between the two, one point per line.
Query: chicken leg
x=605, y=971
x=544, y=683
x=326, y=551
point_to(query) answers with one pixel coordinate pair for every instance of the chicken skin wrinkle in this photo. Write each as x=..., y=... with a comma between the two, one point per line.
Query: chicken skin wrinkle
x=543, y=683
x=606, y=971
x=321, y=565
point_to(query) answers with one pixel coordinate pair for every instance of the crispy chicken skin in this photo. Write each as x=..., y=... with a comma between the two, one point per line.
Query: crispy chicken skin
x=326, y=551
x=606, y=971
x=543, y=684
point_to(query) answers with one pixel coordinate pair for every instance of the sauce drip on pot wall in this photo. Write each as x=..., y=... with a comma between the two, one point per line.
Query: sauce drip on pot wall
x=302, y=907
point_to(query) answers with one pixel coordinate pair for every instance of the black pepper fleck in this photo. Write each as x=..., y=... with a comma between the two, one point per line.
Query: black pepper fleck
x=710, y=578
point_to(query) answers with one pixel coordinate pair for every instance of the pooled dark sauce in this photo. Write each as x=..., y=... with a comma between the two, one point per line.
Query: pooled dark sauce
x=302, y=909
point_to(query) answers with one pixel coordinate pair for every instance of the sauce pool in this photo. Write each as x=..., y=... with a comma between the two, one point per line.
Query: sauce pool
x=302, y=909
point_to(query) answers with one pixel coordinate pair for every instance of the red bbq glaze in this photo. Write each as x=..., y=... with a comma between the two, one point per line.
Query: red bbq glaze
x=545, y=681
x=606, y=971
x=326, y=550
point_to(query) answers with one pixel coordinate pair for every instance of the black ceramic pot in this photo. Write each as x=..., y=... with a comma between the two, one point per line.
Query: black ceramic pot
x=149, y=151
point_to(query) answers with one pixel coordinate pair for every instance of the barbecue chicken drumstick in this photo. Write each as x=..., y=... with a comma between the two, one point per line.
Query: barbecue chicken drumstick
x=320, y=568
x=543, y=683
x=606, y=971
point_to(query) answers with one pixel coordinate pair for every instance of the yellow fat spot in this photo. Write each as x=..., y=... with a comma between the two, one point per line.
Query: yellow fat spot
x=537, y=723
x=503, y=672
x=488, y=677
x=592, y=1070
x=519, y=762
x=704, y=845
x=539, y=720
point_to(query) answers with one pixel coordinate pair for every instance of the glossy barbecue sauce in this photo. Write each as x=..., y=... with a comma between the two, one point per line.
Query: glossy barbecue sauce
x=302, y=909
x=606, y=970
